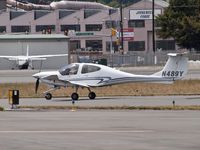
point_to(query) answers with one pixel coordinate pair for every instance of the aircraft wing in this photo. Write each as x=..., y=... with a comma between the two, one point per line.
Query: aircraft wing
x=43, y=57
x=79, y=84
x=9, y=57
x=55, y=80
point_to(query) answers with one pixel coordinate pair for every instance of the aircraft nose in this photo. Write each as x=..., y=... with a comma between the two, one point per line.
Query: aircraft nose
x=37, y=75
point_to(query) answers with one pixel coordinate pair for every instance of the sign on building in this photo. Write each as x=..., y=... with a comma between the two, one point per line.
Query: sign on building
x=143, y=14
x=128, y=34
x=84, y=33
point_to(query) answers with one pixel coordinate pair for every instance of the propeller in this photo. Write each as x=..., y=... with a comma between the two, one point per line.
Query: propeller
x=37, y=85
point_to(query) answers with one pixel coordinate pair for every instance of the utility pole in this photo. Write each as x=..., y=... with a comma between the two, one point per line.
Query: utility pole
x=153, y=31
x=121, y=26
x=153, y=25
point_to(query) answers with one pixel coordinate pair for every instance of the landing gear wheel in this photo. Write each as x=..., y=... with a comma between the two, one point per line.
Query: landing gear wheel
x=48, y=96
x=74, y=96
x=92, y=95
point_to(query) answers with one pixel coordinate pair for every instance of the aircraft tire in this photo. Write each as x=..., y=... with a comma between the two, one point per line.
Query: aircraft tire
x=74, y=96
x=92, y=95
x=48, y=96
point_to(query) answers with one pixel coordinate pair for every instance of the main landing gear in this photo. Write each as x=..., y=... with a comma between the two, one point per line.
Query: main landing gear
x=92, y=95
x=75, y=95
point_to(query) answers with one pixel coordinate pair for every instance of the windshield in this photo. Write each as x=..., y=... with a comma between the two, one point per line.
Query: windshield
x=71, y=69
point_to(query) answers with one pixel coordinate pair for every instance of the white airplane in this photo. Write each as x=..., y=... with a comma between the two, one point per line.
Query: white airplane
x=94, y=75
x=25, y=61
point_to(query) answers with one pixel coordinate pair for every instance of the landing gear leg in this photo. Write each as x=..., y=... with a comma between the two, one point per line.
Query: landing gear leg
x=91, y=94
x=48, y=95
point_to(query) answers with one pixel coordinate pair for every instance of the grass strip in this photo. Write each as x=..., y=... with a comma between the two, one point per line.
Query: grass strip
x=182, y=87
x=190, y=107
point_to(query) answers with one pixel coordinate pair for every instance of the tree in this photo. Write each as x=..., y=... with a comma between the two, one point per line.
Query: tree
x=181, y=21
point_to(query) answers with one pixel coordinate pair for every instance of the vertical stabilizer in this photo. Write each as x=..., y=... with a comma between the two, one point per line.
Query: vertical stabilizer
x=175, y=68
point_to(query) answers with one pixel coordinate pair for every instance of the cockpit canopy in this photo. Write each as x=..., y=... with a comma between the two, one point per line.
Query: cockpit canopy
x=72, y=69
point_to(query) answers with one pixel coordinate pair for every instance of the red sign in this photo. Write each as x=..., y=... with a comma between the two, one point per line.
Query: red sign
x=128, y=34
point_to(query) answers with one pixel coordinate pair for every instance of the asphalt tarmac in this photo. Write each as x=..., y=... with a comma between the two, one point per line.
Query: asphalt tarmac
x=109, y=101
x=100, y=130
x=24, y=129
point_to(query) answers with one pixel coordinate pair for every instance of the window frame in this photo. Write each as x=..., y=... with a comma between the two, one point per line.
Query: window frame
x=136, y=46
x=136, y=23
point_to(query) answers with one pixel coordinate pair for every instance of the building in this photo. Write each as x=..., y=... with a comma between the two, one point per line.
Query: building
x=2, y=5
x=38, y=45
x=90, y=29
x=139, y=17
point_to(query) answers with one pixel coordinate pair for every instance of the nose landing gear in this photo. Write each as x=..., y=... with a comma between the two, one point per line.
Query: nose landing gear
x=48, y=96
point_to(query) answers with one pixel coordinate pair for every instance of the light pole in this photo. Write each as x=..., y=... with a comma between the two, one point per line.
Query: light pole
x=121, y=27
x=153, y=25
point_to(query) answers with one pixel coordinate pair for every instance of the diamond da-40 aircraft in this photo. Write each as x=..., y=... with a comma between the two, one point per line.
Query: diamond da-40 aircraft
x=90, y=75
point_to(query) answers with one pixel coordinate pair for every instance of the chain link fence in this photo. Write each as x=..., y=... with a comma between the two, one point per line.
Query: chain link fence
x=134, y=59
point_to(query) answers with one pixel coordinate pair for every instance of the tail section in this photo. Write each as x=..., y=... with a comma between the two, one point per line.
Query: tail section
x=175, y=68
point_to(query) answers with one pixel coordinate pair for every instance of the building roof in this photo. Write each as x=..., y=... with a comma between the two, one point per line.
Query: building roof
x=161, y=3
x=32, y=36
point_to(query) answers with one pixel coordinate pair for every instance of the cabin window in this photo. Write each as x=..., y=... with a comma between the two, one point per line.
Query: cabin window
x=69, y=70
x=89, y=69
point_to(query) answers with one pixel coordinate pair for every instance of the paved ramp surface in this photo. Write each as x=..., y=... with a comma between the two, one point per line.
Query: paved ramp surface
x=110, y=101
x=100, y=130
